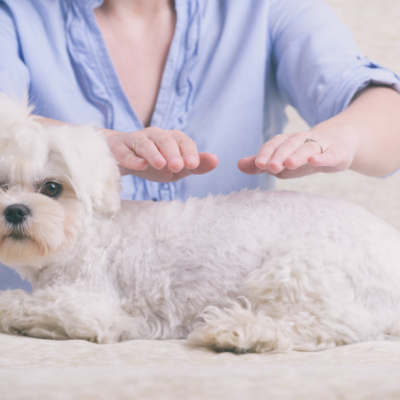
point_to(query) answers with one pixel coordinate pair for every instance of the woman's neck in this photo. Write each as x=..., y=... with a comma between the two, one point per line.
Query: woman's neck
x=138, y=34
x=137, y=8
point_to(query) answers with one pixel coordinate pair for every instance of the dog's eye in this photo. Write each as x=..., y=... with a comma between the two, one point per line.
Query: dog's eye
x=51, y=189
x=3, y=186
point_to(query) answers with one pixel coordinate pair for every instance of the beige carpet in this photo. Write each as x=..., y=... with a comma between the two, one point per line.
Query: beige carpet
x=40, y=369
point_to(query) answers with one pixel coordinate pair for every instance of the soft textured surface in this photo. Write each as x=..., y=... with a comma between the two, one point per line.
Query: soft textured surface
x=41, y=369
x=243, y=382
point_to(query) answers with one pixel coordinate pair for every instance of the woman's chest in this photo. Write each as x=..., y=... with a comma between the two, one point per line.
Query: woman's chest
x=138, y=50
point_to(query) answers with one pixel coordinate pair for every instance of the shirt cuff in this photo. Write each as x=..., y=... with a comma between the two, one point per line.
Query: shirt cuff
x=351, y=81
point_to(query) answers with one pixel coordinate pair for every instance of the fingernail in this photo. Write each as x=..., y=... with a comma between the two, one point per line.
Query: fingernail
x=191, y=159
x=175, y=161
x=261, y=160
x=274, y=165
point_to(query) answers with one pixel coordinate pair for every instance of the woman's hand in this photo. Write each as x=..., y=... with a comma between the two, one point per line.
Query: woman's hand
x=158, y=155
x=365, y=137
x=290, y=156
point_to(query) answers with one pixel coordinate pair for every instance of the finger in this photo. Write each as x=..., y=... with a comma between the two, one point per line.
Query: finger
x=302, y=155
x=303, y=170
x=268, y=149
x=248, y=165
x=169, y=149
x=148, y=151
x=188, y=149
x=207, y=163
x=127, y=159
x=277, y=162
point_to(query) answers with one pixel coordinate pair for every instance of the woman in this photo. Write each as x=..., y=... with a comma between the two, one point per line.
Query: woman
x=213, y=75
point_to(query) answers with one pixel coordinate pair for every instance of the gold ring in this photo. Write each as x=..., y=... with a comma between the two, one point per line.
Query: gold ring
x=134, y=144
x=312, y=140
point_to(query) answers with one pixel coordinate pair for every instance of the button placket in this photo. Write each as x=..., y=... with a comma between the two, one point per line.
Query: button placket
x=89, y=53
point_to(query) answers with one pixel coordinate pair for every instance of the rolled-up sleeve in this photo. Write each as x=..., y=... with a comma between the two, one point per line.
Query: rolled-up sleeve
x=319, y=67
x=14, y=75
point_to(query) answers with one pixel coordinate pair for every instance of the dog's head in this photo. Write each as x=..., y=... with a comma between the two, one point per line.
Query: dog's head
x=52, y=181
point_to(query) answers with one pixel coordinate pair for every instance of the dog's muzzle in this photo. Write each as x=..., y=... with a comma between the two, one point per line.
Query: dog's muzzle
x=16, y=213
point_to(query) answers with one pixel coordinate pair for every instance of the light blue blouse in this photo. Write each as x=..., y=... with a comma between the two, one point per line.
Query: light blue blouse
x=232, y=68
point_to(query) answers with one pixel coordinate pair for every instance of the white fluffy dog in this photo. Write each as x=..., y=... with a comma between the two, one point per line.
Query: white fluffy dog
x=266, y=271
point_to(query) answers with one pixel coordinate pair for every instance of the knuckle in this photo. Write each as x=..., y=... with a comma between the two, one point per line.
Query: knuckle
x=177, y=133
x=267, y=147
x=152, y=129
x=142, y=144
x=290, y=146
x=165, y=141
x=118, y=149
x=144, y=147
x=125, y=158
x=274, y=142
x=280, y=138
x=184, y=141
x=147, y=132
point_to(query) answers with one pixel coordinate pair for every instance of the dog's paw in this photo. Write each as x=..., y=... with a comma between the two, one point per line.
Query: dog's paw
x=239, y=330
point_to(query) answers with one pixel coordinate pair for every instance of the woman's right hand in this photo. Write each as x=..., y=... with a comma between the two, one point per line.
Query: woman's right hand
x=158, y=155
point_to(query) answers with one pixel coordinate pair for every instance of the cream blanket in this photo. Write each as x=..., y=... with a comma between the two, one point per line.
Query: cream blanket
x=42, y=369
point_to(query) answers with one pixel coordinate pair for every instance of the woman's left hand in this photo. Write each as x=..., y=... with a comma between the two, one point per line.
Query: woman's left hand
x=291, y=156
x=365, y=137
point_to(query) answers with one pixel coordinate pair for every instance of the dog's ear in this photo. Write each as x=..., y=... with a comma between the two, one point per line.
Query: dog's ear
x=23, y=141
x=90, y=166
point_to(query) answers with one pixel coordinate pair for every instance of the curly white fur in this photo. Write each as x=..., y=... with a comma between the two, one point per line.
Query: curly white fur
x=266, y=271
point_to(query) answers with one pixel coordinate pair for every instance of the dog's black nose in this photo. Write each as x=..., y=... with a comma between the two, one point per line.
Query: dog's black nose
x=16, y=213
